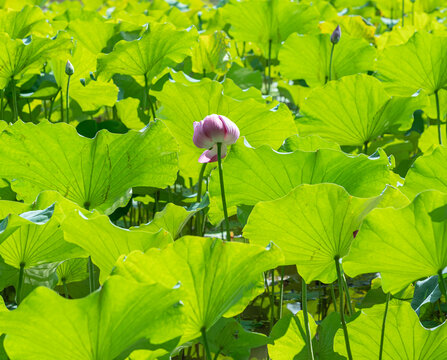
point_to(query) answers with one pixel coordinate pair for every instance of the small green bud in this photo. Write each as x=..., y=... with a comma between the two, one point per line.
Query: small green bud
x=69, y=69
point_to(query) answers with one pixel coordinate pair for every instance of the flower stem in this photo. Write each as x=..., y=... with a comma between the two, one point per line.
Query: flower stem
x=281, y=293
x=442, y=285
x=199, y=199
x=50, y=111
x=342, y=312
x=330, y=63
x=2, y=106
x=272, y=301
x=348, y=297
x=14, y=99
x=91, y=274
x=306, y=319
x=382, y=335
x=334, y=299
x=205, y=344
x=438, y=113
x=20, y=283
x=67, y=98
x=222, y=190
x=269, y=64
x=62, y=106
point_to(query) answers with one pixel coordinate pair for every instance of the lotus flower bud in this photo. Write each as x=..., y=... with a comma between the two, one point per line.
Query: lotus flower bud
x=69, y=69
x=336, y=35
x=212, y=130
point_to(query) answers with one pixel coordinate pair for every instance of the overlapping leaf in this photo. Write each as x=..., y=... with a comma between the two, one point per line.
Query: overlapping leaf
x=405, y=338
x=273, y=174
x=355, y=110
x=105, y=242
x=95, y=173
x=264, y=21
x=49, y=326
x=159, y=47
x=313, y=225
x=307, y=57
x=420, y=64
x=210, y=273
x=403, y=244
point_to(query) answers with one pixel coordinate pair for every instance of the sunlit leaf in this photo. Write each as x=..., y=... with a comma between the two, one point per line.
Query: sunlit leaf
x=50, y=326
x=272, y=174
x=307, y=57
x=405, y=338
x=312, y=225
x=159, y=47
x=209, y=271
x=94, y=173
x=355, y=110
x=403, y=244
x=420, y=64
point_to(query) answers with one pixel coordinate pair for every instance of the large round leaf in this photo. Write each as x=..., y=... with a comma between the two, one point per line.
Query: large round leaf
x=264, y=21
x=184, y=103
x=312, y=225
x=429, y=172
x=405, y=337
x=159, y=47
x=307, y=57
x=20, y=24
x=95, y=173
x=404, y=244
x=100, y=326
x=355, y=110
x=420, y=64
x=273, y=174
x=19, y=57
x=209, y=271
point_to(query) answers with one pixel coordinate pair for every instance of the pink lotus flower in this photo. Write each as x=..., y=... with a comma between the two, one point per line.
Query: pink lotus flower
x=212, y=130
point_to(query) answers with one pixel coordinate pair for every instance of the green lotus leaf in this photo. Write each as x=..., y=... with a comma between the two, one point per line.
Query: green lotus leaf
x=229, y=338
x=429, y=172
x=27, y=57
x=307, y=57
x=49, y=326
x=264, y=21
x=183, y=104
x=72, y=270
x=33, y=238
x=172, y=219
x=29, y=20
x=403, y=244
x=355, y=110
x=211, y=54
x=105, y=242
x=289, y=334
x=420, y=64
x=405, y=337
x=94, y=173
x=159, y=47
x=321, y=228
x=209, y=271
x=92, y=34
x=272, y=174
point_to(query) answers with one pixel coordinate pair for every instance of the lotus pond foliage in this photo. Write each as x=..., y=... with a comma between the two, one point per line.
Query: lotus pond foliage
x=234, y=179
